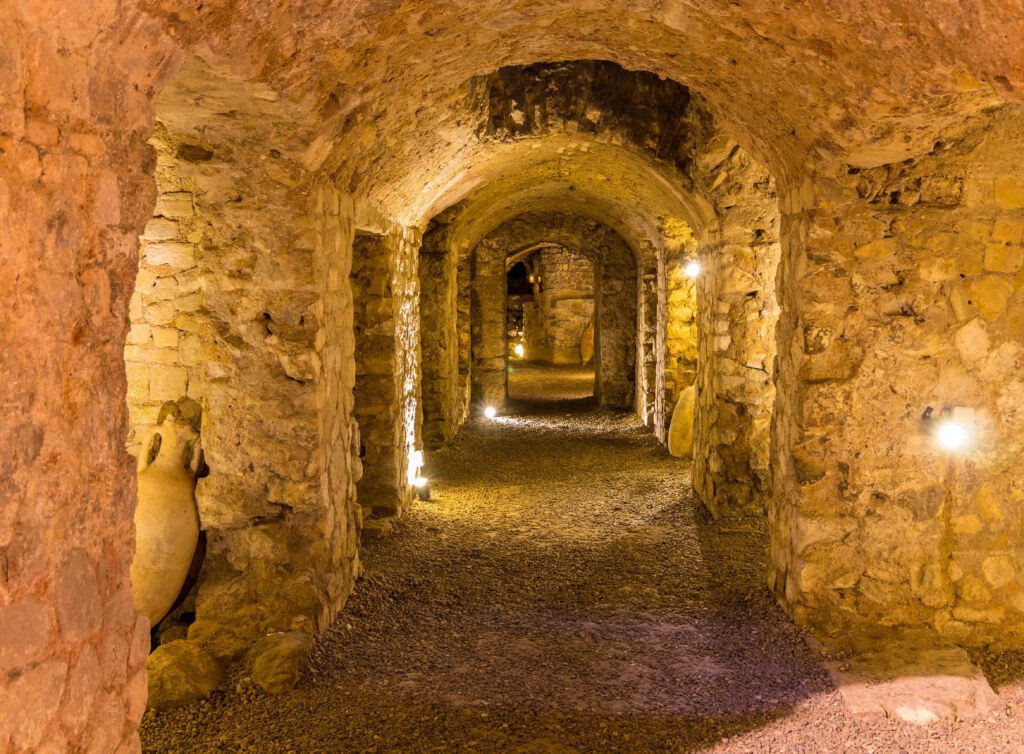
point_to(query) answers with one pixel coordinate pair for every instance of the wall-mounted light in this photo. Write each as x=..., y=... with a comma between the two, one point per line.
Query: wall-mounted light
x=519, y=351
x=953, y=429
x=692, y=269
x=421, y=488
x=952, y=435
x=490, y=412
x=415, y=464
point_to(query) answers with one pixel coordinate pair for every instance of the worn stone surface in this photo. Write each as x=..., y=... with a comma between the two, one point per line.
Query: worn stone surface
x=277, y=661
x=917, y=684
x=181, y=672
x=385, y=288
x=301, y=126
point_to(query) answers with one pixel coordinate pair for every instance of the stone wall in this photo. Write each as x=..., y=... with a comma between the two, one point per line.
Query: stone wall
x=738, y=311
x=489, y=290
x=564, y=308
x=163, y=351
x=681, y=339
x=385, y=287
x=909, y=286
x=439, y=338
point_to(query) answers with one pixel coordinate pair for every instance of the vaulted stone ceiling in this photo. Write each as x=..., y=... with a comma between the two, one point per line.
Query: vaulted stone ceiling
x=380, y=87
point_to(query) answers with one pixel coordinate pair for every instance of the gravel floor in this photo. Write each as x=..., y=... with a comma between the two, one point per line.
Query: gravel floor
x=564, y=592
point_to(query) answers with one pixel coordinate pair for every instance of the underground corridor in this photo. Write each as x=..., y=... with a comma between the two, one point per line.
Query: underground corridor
x=511, y=376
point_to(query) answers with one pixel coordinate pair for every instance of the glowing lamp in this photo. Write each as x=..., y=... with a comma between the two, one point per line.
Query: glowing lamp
x=420, y=481
x=490, y=412
x=952, y=435
x=519, y=351
x=692, y=269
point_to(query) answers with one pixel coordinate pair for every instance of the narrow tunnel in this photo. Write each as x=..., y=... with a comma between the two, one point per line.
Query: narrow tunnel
x=488, y=376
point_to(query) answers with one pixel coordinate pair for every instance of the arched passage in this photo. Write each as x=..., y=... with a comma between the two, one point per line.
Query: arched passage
x=898, y=190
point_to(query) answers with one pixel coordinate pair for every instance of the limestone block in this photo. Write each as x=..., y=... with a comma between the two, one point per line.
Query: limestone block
x=879, y=249
x=25, y=627
x=1009, y=229
x=138, y=381
x=988, y=504
x=176, y=254
x=160, y=313
x=160, y=229
x=916, y=683
x=1009, y=192
x=999, y=571
x=164, y=337
x=139, y=333
x=938, y=269
x=174, y=205
x=840, y=362
x=29, y=701
x=972, y=341
x=990, y=294
x=1002, y=258
x=279, y=660
x=181, y=673
x=168, y=383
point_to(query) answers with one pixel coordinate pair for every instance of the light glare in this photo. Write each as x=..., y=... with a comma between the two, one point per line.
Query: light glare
x=692, y=268
x=519, y=350
x=420, y=481
x=490, y=412
x=952, y=435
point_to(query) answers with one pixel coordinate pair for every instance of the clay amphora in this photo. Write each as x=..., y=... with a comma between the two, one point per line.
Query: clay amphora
x=166, y=518
x=680, y=431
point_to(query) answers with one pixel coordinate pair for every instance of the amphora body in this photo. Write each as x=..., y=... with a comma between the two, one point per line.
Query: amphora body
x=166, y=518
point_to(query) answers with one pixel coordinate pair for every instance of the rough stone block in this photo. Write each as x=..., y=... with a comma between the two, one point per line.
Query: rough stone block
x=990, y=294
x=168, y=383
x=1009, y=192
x=279, y=660
x=181, y=673
x=25, y=630
x=177, y=254
x=1002, y=258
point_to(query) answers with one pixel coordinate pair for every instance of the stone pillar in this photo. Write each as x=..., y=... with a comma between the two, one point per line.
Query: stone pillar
x=490, y=343
x=738, y=311
x=76, y=191
x=904, y=290
x=439, y=343
x=386, y=294
x=616, y=330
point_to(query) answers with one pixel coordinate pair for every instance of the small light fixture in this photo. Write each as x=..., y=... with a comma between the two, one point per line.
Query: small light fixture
x=490, y=412
x=415, y=464
x=519, y=351
x=421, y=488
x=952, y=435
x=532, y=279
x=952, y=430
x=692, y=269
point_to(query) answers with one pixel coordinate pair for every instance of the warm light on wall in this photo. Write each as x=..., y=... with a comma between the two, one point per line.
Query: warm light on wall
x=692, y=269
